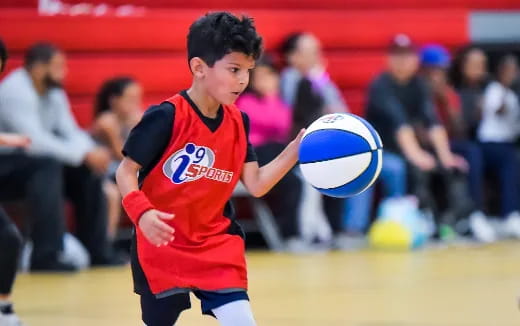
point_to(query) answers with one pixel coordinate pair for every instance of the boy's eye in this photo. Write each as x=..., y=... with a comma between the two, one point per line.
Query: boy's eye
x=233, y=70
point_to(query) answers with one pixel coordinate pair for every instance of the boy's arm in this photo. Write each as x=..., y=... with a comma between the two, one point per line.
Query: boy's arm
x=138, y=207
x=259, y=180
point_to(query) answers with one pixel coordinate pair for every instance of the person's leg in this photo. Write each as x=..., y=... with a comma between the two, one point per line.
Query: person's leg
x=85, y=190
x=235, y=313
x=283, y=199
x=39, y=182
x=357, y=212
x=230, y=308
x=393, y=178
x=334, y=208
x=472, y=153
x=393, y=175
x=164, y=311
x=10, y=248
x=502, y=160
x=114, y=207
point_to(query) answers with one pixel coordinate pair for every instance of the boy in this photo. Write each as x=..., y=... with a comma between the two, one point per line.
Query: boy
x=190, y=152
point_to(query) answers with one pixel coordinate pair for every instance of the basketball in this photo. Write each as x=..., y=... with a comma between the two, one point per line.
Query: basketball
x=341, y=155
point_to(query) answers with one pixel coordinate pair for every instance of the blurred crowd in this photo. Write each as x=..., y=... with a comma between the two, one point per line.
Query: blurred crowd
x=449, y=128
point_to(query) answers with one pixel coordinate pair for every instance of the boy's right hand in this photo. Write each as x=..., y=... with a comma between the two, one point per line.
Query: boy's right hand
x=155, y=229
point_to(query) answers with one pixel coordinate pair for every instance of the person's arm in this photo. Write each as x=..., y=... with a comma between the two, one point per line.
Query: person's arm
x=437, y=133
x=146, y=142
x=289, y=81
x=494, y=100
x=412, y=151
x=78, y=140
x=107, y=127
x=139, y=209
x=20, y=115
x=14, y=140
x=390, y=109
x=440, y=142
x=259, y=180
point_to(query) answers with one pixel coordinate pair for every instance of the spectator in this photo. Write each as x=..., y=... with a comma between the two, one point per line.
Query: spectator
x=302, y=53
x=497, y=134
x=118, y=109
x=270, y=123
x=32, y=102
x=435, y=61
x=469, y=76
x=38, y=181
x=400, y=107
x=307, y=89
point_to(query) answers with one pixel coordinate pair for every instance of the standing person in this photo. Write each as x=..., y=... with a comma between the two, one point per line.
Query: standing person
x=190, y=152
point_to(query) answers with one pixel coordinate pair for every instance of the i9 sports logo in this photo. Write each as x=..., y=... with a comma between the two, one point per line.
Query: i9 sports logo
x=192, y=163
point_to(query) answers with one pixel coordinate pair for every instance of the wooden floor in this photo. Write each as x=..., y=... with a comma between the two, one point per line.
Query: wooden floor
x=475, y=286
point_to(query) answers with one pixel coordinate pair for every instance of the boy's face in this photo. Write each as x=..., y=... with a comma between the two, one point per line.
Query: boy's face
x=228, y=77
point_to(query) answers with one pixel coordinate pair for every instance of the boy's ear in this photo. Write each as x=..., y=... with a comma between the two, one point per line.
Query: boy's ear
x=198, y=67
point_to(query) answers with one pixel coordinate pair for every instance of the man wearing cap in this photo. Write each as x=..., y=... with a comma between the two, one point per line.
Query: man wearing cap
x=401, y=108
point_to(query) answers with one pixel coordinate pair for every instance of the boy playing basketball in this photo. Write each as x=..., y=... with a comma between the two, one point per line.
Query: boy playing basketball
x=190, y=152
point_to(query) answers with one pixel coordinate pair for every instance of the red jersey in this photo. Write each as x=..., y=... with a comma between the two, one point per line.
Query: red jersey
x=194, y=179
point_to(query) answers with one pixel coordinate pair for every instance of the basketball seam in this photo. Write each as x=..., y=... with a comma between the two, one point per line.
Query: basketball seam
x=350, y=154
x=335, y=158
x=365, y=170
x=377, y=139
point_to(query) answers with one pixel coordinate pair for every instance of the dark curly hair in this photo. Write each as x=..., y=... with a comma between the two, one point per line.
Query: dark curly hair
x=3, y=56
x=217, y=34
x=112, y=87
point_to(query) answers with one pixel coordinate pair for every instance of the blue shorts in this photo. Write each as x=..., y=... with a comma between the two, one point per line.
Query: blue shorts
x=166, y=311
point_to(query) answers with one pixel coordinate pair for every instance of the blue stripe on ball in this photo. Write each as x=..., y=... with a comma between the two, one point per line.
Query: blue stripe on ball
x=329, y=144
x=371, y=129
x=357, y=185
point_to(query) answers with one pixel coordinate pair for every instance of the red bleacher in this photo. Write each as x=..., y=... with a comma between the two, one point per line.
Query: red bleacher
x=288, y=4
x=151, y=46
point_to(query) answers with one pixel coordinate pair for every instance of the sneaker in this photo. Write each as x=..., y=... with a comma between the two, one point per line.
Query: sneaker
x=481, y=228
x=299, y=246
x=447, y=233
x=512, y=225
x=10, y=320
x=8, y=317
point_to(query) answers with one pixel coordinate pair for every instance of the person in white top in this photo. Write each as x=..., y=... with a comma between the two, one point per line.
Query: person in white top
x=500, y=107
x=497, y=132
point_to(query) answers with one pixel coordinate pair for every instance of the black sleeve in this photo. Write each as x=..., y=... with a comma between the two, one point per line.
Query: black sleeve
x=389, y=108
x=250, y=152
x=150, y=137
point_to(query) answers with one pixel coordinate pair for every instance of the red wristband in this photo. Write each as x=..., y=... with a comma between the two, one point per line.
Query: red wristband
x=135, y=204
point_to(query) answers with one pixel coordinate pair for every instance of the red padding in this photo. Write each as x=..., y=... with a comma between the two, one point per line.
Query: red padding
x=166, y=30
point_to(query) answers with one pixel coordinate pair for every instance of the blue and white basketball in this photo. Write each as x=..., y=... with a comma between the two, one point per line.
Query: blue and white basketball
x=341, y=155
